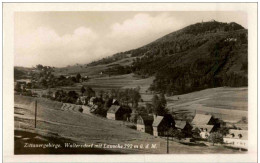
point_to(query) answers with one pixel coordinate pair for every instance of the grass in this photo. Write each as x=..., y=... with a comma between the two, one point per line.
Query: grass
x=92, y=71
x=82, y=128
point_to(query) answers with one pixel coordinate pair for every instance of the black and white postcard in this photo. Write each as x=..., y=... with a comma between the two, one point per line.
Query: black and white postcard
x=146, y=80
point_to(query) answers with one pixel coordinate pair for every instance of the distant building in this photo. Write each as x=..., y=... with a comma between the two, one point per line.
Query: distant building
x=205, y=123
x=115, y=102
x=93, y=108
x=115, y=112
x=183, y=126
x=205, y=130
x=91, y=101
x=162, y=124
x=145, y=123
x=237, y=139
x=82, y=99
x=23, y=83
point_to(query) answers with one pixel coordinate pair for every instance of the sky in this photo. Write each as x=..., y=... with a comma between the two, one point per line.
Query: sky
x=60, y=39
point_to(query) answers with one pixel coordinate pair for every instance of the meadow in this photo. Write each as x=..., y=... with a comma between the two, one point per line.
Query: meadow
x=54, y=123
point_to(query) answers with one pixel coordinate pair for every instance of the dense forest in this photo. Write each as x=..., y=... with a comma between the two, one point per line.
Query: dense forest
x=202, y=55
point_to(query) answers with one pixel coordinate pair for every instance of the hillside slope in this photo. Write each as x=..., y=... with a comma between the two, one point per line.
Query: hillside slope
x=203, y=55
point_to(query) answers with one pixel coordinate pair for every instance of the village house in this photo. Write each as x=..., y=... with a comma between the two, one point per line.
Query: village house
x=205, y=123
x=115, y=102
x=184, y=127
x=144, y=123
x=91, y=101
x=115, y=112
x=23, y=83
x=82, y=99
x=237, y=139
x=162, y=124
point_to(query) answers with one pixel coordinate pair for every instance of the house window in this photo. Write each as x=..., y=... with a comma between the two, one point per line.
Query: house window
x=240, y=136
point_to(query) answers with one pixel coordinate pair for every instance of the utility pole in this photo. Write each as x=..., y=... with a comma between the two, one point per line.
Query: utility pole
x=167, y=143
x=35, y=113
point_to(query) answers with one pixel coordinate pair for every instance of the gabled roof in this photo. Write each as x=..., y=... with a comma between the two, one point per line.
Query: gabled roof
x=180, y=124
x=201, y=119
x=238, y=134
x=208, y=127
x=157, y=120
x=113, y=109
x=92, y=98
x=147, y=119
x=94, y=107
x=114, y=100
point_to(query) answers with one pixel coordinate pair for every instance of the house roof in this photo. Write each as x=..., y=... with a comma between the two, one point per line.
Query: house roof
x=114, y=100
x=157, y=120
x=242, y=126
x=208, y=127
x=113, y=109
x=201, y=119
x=94, y=107
x=235, y=134
x=180, y=124
x=92, y=98
x=147, y=119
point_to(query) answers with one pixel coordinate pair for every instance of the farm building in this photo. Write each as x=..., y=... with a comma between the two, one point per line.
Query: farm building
x=205, y=123
x=162, y=124
x=115, y=102
x=183, y=126
x=237, y=139
x=205, y=130
x=144, y=123
x=202, y=119
x=91, y=101
x=93, y=108
x=82, y=100
x=115, y=112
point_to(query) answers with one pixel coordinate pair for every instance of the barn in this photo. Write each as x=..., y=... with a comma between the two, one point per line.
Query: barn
x=205, y=123
x=237, y=139
x=115, y=112
x=162, y=124
x=184, y=127
x=144, y=123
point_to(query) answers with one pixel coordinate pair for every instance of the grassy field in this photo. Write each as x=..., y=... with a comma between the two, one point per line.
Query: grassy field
x=92, y=71
x=53, y=123
x=229, y=104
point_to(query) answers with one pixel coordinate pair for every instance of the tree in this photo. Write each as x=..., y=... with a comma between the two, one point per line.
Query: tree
x=215, y=137
x=39, y=67
x=244, y=120
x=82, y=90
x=196, y=133
x=163, y=100
x=159, y=105
x=224, y=131
x=78, y=77
x=135, y=97
x=72, y=96
x=90, y=92
x=18, y=87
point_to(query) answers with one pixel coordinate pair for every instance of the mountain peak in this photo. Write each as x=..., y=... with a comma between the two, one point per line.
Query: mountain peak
x=210, y=27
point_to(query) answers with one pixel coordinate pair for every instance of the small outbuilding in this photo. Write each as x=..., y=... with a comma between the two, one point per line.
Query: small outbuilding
x=145, y=123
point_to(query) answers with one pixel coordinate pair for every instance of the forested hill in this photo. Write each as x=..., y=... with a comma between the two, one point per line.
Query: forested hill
x=202, y=55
